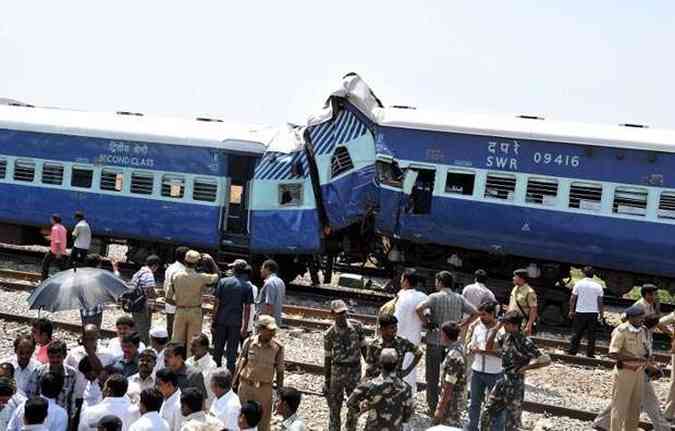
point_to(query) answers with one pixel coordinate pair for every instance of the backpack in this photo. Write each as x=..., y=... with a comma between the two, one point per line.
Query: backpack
x=133, y=301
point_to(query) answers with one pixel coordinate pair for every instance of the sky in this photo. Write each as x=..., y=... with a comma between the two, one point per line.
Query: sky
x=268, y=62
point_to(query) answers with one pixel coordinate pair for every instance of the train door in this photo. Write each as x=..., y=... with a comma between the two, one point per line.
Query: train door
x=235, y=211
x=415, y=219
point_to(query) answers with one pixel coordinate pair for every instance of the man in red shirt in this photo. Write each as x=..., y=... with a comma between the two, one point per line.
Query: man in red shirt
x=57, y=247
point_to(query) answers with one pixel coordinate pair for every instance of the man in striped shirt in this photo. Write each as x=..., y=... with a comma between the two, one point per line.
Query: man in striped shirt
x=144, y=279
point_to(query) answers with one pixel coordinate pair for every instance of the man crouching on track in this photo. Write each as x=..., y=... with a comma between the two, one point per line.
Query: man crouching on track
x=519, y=354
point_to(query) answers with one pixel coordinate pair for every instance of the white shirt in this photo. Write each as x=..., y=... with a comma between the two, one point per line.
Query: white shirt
x=57, y=418
x=150, y=421
x=227, y=408
x=116, y=406
x=484, y=363
x=82, y=234
x=409, y=323
x=21, y=375
x=207, y=366
x=12, y=404
x=478, y=293
x=37, y=427
x=92, y=394
x=168, y=275
x=251, y=315
x=170, y=411
x=115, y=349
x=137, y=385
x=159, y=362
x=588, y=292
x=73, y=359
x=200, y=421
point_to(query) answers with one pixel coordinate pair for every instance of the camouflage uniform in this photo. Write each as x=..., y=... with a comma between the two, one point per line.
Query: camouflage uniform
x=517, y=350
x=389, y=404
x=342, y=350
x=400, y=344
x=453, y=372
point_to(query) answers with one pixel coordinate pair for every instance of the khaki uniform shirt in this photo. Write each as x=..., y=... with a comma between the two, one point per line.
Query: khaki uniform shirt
x=187, y=287
x=524, y=296
x=626, y=340
x=261, y=360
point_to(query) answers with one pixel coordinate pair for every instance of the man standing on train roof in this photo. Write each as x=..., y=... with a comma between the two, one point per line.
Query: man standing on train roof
x=185, y=292
x=82, y=235
x=524, y=300
x=586, y=307
x=628, y=347
x=650, y=299
x=57, y=247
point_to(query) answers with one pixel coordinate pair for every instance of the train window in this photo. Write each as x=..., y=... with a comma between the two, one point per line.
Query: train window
x=666, y=205
x=112, y=180
x=235, y=194
x=82, y=177
x=3, y=168
x=630, y=200
x=290, y=195
x=205, y=189
x=52, y=173
x=341, y=162
x=142, y=183
x=24, y=170
x=542, y=191
x=500, y=186
x=173, y=186
x=460, y=183
x=388, y=173
x=585, y=196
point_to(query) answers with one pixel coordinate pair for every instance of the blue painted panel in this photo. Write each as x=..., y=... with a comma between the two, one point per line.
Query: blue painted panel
x=285, y=231
x=348, y=198
x=119, y=216
x=527, y=156
x=113, y=152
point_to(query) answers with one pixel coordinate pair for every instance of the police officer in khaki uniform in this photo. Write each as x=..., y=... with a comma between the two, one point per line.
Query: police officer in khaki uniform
x=261, y=356
x=629, y=347
x=524, y=300
x=185, y=292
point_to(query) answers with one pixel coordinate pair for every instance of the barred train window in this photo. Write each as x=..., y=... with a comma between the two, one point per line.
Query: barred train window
x=460, y=183
x=630, y=200
x=341, y=162
x=205, y=189
x=585, y=196
x=82, y=177
x=142, y=183
x=3, y=168
x=388, y=173
x=52, y=173
x=112, y=180
x=542, y=191
x=24, y=170
x=173, y=186
x=666, y=205
x=290, y=195
x=500, y=186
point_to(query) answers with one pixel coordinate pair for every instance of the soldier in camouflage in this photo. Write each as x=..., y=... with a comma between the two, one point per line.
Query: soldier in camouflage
x=388, y=399
x=388, y=325
x=453, y=379
x=344, y=344
x=519, y=354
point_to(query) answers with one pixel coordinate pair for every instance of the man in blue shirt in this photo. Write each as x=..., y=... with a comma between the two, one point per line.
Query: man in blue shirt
x=233, y=299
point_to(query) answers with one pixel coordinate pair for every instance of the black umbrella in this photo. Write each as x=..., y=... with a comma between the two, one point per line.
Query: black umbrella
x=77, y=288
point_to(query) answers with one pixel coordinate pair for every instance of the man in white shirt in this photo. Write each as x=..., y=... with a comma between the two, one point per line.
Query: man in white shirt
x=144, y=379
x=82, y=235
x=201, y=360
x=24, y=364
x=585, y=308
x=124, y=325
x=167, y=383
x=88, y=348
x=35, y=415
x=486, y=367
x=196, y=419
x=477, y=293
x=150, y=404
x=226, y=405
x=409, y=323
x=115, y=403
x=177, y=266
x=10, y=400
x=51, y=384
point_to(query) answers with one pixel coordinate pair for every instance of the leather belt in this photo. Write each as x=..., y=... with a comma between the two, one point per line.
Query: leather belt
x=254, y=383
x=631, y=367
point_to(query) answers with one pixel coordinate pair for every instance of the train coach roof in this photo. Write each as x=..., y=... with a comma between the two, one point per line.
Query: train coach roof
x=166, y=130
x=617, y=136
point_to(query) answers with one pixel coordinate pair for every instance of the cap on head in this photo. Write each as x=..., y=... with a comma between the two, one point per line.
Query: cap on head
x=148, y=352
x=521, y=272
x=634, y=311
x=648, y=287
x=239, y=265
x=266, y=321
x=388, y=356
x=338, y=306
x=192, y=256
x=159, y=332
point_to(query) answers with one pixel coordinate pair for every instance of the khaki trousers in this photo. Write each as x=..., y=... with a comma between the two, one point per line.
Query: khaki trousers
x=263, y=395
x=670, y=403
x=187, y=324
x=626, y=399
